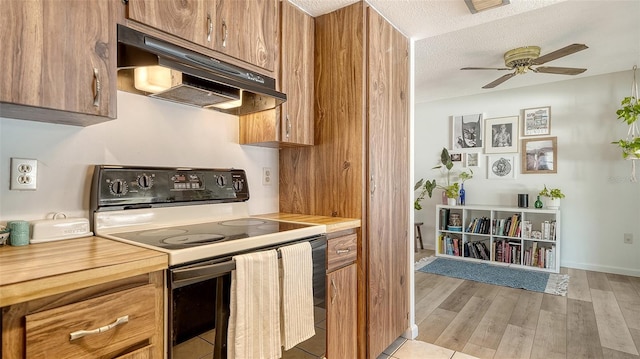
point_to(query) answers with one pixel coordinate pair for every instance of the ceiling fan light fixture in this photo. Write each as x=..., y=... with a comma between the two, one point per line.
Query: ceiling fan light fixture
x=522, y=56
x=481, y=5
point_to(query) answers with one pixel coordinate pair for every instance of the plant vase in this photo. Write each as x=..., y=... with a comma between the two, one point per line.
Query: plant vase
x=553, y=203
x=451, y=201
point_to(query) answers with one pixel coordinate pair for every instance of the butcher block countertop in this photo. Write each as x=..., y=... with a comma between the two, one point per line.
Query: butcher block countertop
x=333, y=224
x=44, y=269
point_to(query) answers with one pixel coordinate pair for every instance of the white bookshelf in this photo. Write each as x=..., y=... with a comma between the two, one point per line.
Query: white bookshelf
x=516, y=248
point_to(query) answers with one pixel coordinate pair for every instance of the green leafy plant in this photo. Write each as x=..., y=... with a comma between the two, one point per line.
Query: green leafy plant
x=553, y=193
x=630, y=110
x=630, y=149
x=451, y=188
x=629, y=113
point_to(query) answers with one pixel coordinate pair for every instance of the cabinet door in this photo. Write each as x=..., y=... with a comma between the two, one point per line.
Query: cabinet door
x=59, y=55
x=388, y=221
x=247, y=30
x=297, y=29
x=192, y=20
x=342, y=313
x=292, y=123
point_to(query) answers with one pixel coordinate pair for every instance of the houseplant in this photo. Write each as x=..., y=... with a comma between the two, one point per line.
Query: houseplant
x=629, y=112
x=451, y=188
x=554, y=195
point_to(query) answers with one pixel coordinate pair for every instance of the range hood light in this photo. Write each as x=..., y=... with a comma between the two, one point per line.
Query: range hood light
x=229, y=104
x=152, y=79
x=165, y=70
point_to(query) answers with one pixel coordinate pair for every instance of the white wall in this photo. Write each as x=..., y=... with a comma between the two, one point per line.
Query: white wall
x=147, y=132
x=601, y=203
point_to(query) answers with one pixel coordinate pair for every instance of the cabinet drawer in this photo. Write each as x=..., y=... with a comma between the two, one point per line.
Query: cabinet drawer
x=341, y=251
x=142, y=353
x=48, y=333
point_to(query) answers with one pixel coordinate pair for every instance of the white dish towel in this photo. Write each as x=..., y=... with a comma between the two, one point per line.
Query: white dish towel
x=297, y=294
x=254, y=321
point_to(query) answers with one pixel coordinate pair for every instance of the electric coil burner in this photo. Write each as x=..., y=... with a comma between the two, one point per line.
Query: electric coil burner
x=200, y=218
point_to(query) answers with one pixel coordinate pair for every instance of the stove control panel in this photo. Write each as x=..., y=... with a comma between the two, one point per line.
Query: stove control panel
x=118, y=187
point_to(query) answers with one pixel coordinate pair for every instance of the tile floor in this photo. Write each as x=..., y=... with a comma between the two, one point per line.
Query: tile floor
x=202, y=347
x=415, y=349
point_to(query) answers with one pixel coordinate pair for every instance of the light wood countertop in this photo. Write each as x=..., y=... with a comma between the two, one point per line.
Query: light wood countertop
x=43, y=269
x=333, y=224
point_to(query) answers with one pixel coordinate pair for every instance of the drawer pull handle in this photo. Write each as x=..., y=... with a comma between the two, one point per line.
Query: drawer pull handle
x=224, y=34
x=209, y=27
x=82, y=333
x=97, y=88
x=334, y=290
x=343, y=251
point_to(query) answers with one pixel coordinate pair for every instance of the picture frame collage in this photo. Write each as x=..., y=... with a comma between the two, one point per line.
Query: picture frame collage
x=505, y=141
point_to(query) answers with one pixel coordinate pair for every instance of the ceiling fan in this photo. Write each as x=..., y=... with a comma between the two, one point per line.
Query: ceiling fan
x=521, y=60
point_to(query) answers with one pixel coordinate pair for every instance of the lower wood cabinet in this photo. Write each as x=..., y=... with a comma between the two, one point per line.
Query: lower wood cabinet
x=342, y=310
x=123, y=319
x=342, y=301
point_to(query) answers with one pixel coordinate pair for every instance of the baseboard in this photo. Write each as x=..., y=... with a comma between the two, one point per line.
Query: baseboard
x=411, y=333
x=598, y=268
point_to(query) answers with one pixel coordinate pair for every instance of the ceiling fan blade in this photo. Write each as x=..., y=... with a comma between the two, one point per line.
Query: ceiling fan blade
x=499, y=81
x=568, y=50
x=486, y=68
x=559, y=70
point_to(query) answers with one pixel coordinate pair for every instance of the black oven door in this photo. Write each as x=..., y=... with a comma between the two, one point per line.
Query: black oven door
x=200, y=295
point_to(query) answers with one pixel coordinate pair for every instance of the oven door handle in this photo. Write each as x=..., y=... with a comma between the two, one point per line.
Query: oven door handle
x=183, y=277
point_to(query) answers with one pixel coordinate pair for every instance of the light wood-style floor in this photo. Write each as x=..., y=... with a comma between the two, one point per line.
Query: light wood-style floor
x=599, y=317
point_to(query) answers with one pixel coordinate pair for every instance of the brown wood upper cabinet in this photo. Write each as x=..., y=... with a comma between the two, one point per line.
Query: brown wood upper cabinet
x=58, y=61
x=243, y=29
x=291, y=124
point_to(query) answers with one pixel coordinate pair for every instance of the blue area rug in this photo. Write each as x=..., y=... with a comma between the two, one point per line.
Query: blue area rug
x=495, y=274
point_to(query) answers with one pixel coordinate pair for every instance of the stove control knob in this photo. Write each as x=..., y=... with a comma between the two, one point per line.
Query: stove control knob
x=238, y=185
x=145, y=181
x=118, y=187
x=221, y=181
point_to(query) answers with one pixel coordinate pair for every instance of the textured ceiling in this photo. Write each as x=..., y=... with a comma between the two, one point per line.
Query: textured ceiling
x=447, y=37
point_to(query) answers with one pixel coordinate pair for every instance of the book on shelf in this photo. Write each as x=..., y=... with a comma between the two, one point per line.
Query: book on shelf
x=546, y=230
x=526, y=229
x=484, y=251
x=453, y=246
x=540, y=256
x=515, y=219
x=507, y=252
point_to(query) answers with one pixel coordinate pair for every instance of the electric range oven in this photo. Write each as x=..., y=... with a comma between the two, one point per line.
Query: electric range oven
x=199, y=217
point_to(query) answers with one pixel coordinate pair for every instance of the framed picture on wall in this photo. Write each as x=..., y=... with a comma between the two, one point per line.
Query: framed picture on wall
x=501, y=134
x=501, y=167
x=536, y=121
x=457, y=158
x=466, y=132
x=472, y=159
x=539, y=155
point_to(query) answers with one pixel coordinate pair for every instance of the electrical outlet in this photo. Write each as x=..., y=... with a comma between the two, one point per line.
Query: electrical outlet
x=24, y=174
x=628, y=238
x=266, y=176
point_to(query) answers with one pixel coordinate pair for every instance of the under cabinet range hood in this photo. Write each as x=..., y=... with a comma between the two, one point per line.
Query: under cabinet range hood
x=157, y=68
